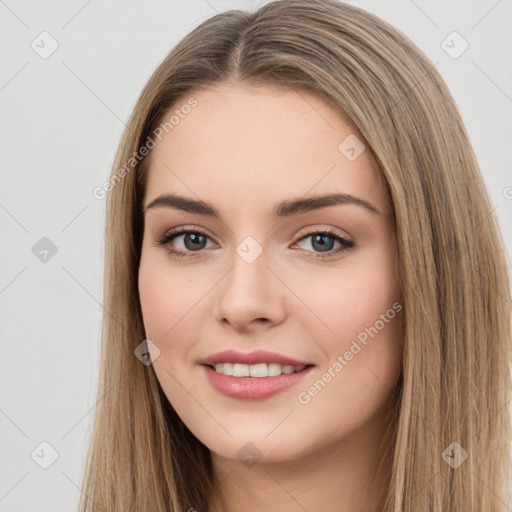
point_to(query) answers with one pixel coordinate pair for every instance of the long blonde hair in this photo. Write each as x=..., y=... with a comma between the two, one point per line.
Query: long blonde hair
x=455, y=384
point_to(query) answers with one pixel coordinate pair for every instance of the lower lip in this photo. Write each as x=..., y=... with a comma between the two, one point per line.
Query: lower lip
x=253, y=388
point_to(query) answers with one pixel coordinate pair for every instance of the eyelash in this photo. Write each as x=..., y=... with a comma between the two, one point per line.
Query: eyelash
x=168, y=237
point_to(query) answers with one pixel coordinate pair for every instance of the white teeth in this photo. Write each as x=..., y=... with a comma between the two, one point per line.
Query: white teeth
x=240, y=370
x=256, y=370
x=274, y=369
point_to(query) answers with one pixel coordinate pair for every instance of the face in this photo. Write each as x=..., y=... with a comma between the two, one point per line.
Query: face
x=313, y=285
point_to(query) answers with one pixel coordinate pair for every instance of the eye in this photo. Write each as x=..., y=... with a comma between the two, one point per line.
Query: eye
x=195, y=240
x=324, y=241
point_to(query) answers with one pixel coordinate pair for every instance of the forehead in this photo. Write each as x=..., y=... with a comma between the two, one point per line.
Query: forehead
x=240, y=142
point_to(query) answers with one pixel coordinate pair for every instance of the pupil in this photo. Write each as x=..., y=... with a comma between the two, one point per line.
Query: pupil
x=194, y=238
x=322, y=244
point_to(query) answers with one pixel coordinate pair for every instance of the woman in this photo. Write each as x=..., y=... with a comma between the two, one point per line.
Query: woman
x=307, y=302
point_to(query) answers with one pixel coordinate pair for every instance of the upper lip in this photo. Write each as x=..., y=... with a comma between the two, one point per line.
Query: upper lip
x=255, y=357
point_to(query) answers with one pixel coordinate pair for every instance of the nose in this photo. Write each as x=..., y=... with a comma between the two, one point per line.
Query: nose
x=250, y=294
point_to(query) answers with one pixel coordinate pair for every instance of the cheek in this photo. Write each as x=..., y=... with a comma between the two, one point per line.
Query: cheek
x=165, y=295
x=348, y=299
x=153, y=299
x=173, y=306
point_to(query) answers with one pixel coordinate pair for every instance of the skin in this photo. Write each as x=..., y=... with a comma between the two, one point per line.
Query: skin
x=243, y=149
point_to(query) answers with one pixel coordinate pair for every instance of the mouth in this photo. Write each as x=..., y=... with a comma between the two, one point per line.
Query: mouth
x=253, y=381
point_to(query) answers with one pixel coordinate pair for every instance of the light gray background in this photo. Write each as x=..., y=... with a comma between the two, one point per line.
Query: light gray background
x=61, y=119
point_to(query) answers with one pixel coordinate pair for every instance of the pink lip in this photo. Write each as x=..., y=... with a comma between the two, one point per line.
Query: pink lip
x=252, y=388
x=258, y=356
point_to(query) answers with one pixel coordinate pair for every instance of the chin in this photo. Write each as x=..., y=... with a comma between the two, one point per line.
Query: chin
x=257, y=444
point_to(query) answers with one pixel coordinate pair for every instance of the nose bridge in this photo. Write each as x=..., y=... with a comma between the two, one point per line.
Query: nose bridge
x=249, y=290
x=249, y=275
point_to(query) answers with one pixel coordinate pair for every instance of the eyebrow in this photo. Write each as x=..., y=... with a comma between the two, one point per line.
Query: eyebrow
x=283, y=209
